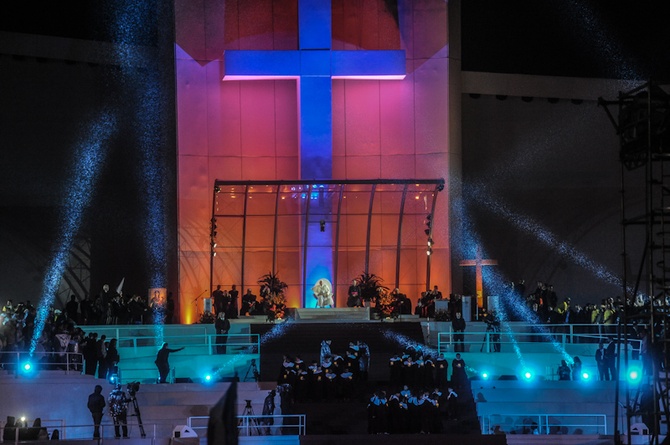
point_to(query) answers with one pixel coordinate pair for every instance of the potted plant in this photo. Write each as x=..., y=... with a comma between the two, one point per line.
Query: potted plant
x=207, y=318
x=275, y=300
x=370, y=285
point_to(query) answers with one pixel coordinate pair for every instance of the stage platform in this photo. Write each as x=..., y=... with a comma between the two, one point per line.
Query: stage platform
x=506, y=404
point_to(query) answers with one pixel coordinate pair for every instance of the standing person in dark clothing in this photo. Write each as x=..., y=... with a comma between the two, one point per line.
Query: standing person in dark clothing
x=269, y=410
x=233, y=311
x=452, y=404
x=101, y=351
x=89, y=349
x=458, y=375
x=603, y=372
x=222, y=326
x=354, y=295
x=610, y=360
x=112, y=358
x=217, y=297
x=72, y=309
x=162, y=361
x=96, y=405
x=441, y=371
x=458, y=325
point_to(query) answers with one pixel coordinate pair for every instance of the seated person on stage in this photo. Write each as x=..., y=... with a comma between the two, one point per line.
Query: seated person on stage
x=323, y=293
x=426, y=306
x=248, y=303
x=437, y=295
x=403, y=304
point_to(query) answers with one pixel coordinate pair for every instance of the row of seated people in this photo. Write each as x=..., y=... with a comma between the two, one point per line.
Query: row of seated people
x=396, y=303
x=411, y=411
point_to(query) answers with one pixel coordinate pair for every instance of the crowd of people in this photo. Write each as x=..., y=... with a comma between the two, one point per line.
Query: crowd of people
x=59, y=337
x=421, y=394
x=330, y=377
x=417, y=368
x=226, y=302
x=550, y=309
x=411, y=412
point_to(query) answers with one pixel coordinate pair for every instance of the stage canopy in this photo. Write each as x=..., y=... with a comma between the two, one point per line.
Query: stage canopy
x=305, y=231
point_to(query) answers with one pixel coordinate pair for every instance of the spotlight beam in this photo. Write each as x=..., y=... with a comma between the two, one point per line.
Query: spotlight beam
x=482, y=194
x=88, y=159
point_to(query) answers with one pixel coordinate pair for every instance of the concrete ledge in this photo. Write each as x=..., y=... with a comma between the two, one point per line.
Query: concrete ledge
x=336, y=313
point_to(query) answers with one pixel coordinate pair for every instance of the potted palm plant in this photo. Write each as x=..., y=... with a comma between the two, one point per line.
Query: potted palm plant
x=275, y=300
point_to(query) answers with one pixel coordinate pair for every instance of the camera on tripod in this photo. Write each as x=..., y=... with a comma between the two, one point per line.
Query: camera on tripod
x=492, y=323
x=132, y=388
x=253, y=370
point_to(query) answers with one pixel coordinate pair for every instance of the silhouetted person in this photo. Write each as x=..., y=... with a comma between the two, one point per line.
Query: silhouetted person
x=222, y=326
x=118, y=408
x=96, y=405
x=162, y=361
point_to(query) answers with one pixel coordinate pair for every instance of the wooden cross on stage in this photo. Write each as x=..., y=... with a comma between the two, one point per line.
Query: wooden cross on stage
x=478, y=262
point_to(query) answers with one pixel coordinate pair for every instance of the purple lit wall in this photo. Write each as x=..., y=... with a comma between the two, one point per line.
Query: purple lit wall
x=244, y=130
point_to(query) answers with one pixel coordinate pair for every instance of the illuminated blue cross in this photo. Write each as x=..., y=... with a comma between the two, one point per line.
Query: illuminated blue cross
x=314, y=65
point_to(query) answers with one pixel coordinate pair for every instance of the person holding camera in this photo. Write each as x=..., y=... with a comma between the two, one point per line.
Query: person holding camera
x=118, y=409
x=492, y=327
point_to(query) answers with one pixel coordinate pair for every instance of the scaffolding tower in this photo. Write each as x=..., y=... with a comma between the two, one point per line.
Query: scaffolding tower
x=642, y=126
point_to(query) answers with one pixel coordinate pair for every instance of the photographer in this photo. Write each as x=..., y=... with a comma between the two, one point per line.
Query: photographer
x=492, y=327
x=118, y=409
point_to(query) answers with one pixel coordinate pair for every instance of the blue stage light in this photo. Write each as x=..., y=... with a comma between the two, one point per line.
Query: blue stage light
x=113, y=379
x=586, y=376
x=634, y=375
x=27, y=367
x=527, y=375
x=485, y=375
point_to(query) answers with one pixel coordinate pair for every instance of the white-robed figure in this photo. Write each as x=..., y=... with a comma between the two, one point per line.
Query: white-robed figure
x=323, y=292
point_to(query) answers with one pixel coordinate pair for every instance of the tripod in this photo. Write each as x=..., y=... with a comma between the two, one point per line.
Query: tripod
x=137, y=414
x=253, y=370
x=249, y=423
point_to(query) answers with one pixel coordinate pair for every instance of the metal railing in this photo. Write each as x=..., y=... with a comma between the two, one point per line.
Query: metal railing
x=85, y=431
x=19, y=362
x=234, y=342
x=253, y=425
x=529, y=337
x=544, y=424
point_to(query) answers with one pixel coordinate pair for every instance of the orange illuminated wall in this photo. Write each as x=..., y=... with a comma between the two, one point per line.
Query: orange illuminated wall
x=249, y=130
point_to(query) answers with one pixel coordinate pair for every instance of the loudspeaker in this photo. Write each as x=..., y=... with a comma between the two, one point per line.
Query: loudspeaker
x=508, y=377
